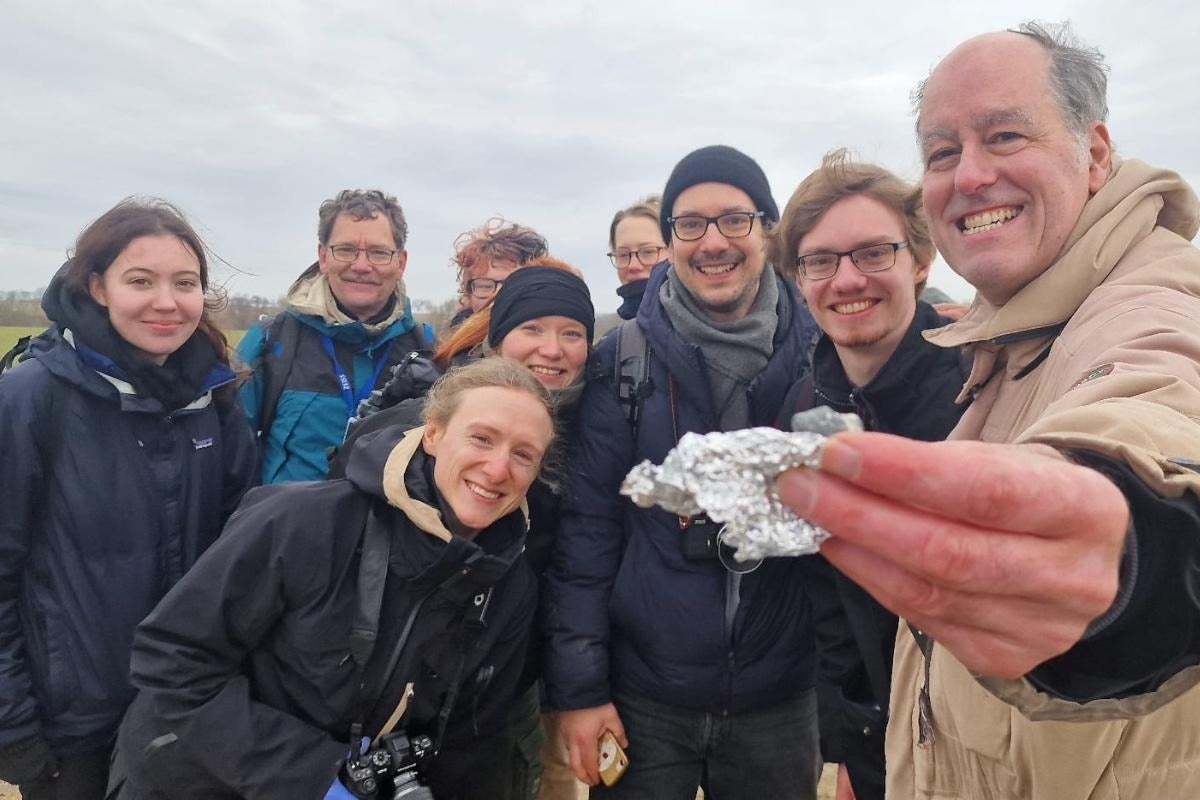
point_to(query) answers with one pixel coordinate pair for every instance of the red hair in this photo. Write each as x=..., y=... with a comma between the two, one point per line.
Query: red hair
x=473, y=331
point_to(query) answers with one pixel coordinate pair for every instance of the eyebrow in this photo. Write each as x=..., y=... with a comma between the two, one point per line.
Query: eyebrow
x=866, y=241
x=728, y=210
x=131, y=267
x=1002, y=116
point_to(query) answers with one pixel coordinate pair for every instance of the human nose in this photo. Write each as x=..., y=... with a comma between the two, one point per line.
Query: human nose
x=550, y=348
x=974, y=171
x=848, y=276
x=164, y=298
x=713, y=239
x=360, y=262
x=495, y=466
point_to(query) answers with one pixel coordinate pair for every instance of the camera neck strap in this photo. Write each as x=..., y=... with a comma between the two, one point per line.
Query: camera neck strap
x=364, y=632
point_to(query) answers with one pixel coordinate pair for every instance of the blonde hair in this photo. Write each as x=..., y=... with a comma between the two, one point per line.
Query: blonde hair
x=649, y=207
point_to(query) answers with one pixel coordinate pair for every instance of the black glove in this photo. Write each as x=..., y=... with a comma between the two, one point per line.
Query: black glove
x=26, y=760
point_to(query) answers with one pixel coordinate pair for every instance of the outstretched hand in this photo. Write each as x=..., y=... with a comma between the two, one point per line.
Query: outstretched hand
x=1002, y=553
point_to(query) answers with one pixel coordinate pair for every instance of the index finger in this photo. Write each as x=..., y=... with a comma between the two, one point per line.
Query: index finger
x=1022, y=488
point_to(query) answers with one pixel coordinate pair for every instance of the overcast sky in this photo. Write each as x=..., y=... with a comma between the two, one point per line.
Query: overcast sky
x=553, y=114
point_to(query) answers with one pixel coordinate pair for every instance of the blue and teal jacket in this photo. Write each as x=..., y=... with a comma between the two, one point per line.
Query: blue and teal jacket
x=333, y=364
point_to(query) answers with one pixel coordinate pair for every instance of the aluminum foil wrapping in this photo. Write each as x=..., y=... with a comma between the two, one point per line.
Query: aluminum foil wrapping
x=731, y=477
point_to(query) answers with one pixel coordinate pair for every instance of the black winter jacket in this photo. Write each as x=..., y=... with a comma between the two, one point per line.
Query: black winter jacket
x=627, y=611
x=913, y=396
x=108, y=500
x=406, y=390
x=244, y=672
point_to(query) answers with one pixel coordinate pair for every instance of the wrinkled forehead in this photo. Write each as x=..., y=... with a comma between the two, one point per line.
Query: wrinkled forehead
x=990, y=75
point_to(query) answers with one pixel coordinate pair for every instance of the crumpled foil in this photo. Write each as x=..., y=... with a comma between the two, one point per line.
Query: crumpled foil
x=731, y=477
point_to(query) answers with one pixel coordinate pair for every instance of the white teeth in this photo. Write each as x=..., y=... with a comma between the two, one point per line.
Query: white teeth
x=547, y=371
x=853, y=308
x=716, y=269
x=482, y=492
x=989, y=220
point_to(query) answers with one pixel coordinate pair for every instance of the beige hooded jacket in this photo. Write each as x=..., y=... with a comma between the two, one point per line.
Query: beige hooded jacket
x=1122, y=379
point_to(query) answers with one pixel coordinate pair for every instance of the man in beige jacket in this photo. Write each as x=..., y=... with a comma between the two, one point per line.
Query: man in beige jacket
x=1045, y=562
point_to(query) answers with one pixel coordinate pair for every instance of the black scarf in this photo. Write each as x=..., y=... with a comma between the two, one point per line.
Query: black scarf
x=175, y=384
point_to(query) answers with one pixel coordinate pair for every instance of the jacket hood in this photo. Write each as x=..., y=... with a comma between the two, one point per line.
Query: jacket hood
x=311, y=298
x=377, y=466
x=1136, y=198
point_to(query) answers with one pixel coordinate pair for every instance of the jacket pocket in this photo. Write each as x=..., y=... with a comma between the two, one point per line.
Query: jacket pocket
x=973, y=736
x=50, y=665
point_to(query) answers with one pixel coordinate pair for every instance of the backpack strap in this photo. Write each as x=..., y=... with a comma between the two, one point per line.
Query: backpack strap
x=281, y=334
x=14, y=354
x=631, y=370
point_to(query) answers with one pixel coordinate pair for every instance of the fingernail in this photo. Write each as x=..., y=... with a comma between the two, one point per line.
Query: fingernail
x=841, y=459
x=798, y=490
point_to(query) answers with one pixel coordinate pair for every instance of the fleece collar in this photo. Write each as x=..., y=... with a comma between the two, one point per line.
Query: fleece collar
x=314, y=297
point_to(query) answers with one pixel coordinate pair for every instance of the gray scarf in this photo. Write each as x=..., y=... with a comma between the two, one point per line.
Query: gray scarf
x=735, y=352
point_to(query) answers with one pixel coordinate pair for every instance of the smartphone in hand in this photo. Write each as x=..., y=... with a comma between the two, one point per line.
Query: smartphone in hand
x=613, y=761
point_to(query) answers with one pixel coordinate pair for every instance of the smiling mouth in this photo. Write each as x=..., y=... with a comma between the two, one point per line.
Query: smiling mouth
x=552, y=372
x=988, y=220
x=853, y=308
x=715, y=269
x=479, y=491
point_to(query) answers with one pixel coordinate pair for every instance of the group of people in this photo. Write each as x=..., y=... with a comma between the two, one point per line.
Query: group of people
x=438, y=587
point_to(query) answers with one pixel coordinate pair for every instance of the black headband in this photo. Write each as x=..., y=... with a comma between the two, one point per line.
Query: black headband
x=533, y=292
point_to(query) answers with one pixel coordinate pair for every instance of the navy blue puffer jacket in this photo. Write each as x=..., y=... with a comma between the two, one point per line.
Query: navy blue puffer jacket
x=626, y=610
x=108, y=500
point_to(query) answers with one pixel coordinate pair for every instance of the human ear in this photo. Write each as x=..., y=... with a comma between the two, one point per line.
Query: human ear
x=96, y=289
x=1100, y=152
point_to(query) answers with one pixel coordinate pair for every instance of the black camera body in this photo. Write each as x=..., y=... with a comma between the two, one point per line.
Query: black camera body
x=698, y=538
x=389, y=771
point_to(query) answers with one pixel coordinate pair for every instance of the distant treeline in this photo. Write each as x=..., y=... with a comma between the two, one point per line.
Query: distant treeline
x=241, y=311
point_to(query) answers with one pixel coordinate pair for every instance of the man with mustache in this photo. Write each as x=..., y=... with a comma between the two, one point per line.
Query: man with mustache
x=704, y=673
x=348, y=321
x=1045, y=559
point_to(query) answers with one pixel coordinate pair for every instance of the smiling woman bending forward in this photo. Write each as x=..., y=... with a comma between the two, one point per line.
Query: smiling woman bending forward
x=247, y=673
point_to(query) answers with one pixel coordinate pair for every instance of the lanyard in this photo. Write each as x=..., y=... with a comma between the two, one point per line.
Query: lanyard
x=350, y=397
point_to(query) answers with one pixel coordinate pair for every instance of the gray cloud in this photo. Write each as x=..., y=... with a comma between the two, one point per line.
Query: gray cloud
x=549, y=113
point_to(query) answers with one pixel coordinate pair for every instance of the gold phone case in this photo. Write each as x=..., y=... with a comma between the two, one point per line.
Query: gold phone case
x=613, y=761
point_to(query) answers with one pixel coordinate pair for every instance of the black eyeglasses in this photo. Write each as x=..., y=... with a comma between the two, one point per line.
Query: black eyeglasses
x=483, y=288
x=347, y=253
x=734, y=225
x=873, y=258
x=647, y=256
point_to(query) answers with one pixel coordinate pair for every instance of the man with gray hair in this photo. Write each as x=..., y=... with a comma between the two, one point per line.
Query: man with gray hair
x=347, y=322
x=1044, y=559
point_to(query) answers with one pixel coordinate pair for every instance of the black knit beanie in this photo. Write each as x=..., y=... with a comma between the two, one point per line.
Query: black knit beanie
x=718, y=164
x=533, y=292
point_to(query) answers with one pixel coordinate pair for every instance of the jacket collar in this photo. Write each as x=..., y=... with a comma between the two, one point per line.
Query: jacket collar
x=897, y=377
x=311, y=298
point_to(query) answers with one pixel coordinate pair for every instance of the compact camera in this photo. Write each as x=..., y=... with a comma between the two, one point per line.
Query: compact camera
x=390, y=770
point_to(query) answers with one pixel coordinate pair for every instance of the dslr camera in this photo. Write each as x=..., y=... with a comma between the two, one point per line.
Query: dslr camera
x=389, y=771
